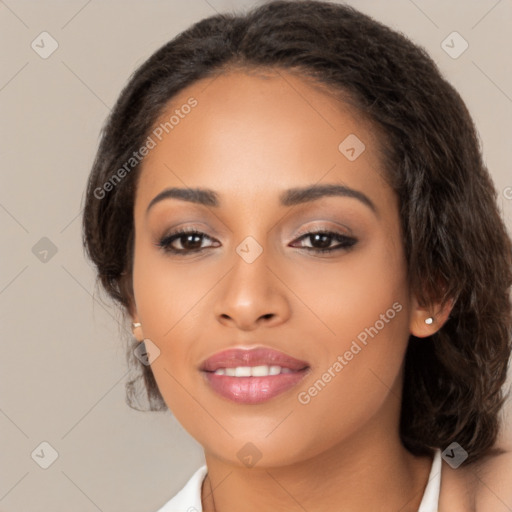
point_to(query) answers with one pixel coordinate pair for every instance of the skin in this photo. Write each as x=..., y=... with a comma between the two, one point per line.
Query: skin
x=310, y=306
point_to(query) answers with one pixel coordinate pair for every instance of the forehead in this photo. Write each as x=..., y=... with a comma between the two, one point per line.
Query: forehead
x=249, y=133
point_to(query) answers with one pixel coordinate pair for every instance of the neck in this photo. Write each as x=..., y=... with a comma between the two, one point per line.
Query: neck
x=361, y=473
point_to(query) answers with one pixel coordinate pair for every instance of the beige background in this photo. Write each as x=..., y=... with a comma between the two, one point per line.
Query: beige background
x=63, y=368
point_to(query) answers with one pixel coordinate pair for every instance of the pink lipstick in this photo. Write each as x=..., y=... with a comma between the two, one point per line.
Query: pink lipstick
x=252, y=376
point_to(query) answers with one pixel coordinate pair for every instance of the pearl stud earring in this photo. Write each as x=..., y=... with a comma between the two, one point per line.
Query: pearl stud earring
x=429, y=320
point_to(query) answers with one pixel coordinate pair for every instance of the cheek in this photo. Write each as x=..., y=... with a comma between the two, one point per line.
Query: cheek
x=359, y=373
x=364, y=302
x=173, y=302
x=168, y=292
x=352, y=293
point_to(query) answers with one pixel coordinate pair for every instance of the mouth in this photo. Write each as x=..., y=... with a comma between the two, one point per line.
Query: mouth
x=252, y=376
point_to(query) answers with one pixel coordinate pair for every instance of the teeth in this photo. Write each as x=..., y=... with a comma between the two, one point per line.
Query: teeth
x=243, y=371
x=252, y=371
x=260, y=371
x=274, y=370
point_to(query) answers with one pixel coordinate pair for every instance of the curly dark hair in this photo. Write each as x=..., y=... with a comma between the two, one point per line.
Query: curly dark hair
x=456, y=243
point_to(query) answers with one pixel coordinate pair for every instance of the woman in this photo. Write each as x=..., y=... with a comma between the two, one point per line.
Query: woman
x=292, y=209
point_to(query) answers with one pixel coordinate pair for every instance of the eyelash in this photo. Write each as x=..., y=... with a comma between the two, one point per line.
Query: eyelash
x=345, y=241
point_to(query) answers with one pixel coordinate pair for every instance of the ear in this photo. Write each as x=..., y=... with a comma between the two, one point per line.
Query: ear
x=438, y=312
x=135, y=323
x=126, y=287
x=137, y=330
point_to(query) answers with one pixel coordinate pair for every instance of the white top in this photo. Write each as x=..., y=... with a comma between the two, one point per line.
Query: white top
x=189, y=498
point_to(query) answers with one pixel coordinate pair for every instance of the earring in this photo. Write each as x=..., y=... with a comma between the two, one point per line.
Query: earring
x=429, y=320
x=135, y=325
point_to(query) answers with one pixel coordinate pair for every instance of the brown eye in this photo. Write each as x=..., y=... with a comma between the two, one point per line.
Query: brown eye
x=321, y=241
x=184, y=241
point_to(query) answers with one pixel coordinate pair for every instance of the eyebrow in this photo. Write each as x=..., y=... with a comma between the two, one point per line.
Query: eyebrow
x=291, y=197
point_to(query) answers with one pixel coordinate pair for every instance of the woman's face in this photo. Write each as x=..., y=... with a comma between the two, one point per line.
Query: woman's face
x=335, y=325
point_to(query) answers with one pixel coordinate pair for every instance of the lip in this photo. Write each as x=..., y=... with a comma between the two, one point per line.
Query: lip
x=252, y=390
x=234, y=357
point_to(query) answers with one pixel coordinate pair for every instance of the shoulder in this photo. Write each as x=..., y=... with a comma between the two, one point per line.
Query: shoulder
x=484, y=486
x=188, y=498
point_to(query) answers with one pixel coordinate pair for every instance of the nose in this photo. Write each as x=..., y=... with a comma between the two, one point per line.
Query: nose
x=252, y=295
